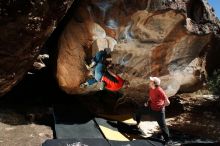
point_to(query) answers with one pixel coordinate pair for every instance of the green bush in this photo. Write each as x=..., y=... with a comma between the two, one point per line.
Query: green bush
x=214, y=82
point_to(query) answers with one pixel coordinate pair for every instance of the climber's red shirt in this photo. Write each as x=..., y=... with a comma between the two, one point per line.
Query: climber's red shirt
x=157, y=98
x=113, y=85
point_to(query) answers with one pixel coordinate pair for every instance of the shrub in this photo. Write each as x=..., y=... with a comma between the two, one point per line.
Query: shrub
x=214, y=82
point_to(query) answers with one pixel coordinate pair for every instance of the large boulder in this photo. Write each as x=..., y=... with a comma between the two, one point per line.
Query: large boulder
x=154, y=38
x=71, y=70
x=25, y=26
x=175, y=40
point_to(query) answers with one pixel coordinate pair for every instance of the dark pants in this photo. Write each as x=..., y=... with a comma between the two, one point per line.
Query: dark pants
x=159, y=116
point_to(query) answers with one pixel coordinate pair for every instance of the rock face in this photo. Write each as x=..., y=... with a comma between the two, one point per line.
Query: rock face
x=175, y=40
x=172, y=40
x=25, y=26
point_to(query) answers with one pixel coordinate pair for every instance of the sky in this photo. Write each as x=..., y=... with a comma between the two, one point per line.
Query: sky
x=216, y=5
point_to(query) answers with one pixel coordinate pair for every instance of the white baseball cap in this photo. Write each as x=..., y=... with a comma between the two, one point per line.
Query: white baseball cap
x=156, y=80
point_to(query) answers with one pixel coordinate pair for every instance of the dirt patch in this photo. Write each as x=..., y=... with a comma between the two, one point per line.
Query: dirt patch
x=17, y=128
x=200, y=116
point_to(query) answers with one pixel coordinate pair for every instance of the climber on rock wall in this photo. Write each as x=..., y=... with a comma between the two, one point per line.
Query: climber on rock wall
x=98, y=67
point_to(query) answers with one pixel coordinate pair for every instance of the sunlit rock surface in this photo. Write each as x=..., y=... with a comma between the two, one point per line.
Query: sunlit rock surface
x=25, y=26
x=172, y=40
x=175, y=40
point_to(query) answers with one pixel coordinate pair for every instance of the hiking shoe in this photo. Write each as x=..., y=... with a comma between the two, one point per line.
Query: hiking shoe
x=83, y=85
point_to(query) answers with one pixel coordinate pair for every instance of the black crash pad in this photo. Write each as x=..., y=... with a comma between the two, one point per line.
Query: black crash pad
x=98, y=142
x=74, y=121
x=135, y=143
x=76, y=142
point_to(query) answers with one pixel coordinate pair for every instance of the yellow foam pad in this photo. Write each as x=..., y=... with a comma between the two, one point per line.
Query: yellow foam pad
x=112, y=134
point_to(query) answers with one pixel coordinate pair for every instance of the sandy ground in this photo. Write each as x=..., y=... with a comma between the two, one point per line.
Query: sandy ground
x=16, y=129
